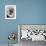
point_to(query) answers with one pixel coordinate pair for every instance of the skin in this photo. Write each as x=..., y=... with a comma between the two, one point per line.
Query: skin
x=10, y=13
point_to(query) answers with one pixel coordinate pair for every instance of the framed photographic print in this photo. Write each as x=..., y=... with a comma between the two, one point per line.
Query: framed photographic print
x=33, y=32
x=10, y=11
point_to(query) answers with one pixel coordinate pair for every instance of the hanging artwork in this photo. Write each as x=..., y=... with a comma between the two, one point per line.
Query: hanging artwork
x=10, y=11
x=32, y=32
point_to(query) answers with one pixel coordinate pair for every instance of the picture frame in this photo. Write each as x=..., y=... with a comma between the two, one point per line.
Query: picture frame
x=34, y=30
x=10, y=11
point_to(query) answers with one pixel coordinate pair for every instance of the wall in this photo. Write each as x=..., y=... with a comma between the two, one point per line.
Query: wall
x=27, y=12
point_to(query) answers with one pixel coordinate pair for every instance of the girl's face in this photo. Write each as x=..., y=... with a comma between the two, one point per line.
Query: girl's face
x=10, y=12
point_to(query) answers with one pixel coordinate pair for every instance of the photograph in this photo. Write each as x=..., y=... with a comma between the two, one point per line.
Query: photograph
x=10, y=11
x=29, y=33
